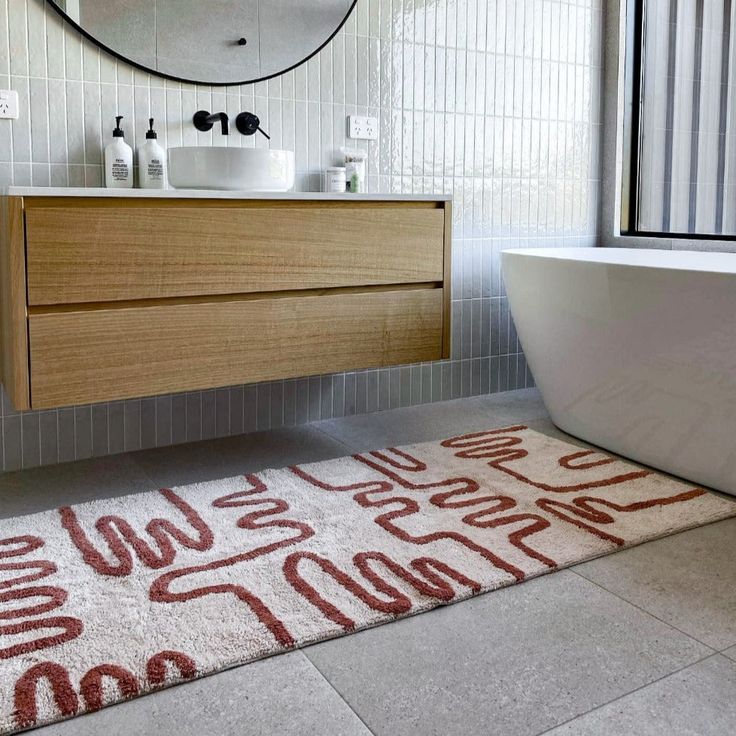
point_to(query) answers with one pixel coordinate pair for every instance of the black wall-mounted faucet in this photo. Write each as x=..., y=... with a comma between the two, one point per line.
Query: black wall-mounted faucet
x=203, y=121
x=247, y=123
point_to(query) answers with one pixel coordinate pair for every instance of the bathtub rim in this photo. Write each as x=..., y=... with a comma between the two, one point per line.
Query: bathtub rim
x=646, y=258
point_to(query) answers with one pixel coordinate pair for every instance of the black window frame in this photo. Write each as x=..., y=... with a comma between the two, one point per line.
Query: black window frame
x=632, y=133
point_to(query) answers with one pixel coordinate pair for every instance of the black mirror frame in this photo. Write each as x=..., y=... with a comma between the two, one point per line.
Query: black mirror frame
x=157, y=73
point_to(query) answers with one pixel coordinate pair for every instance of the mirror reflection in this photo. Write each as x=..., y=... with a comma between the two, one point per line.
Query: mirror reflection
x=213, y=42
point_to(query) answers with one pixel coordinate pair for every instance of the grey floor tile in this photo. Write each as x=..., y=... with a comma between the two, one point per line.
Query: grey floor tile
x=224, y=458
x=40, y=489
x=687, y=580
x=436, y=421
x=731, y=653
x=284, y=695
x=697, y=701
x=514, y=661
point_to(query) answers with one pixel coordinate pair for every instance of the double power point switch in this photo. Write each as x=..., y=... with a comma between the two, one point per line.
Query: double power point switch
x=362, y=128
x=8, y=104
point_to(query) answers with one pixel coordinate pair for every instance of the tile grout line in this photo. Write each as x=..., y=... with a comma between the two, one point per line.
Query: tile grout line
x=350, y=448
x=154, y=485
x=631, y=692
x=644, y=610
x=336, y=691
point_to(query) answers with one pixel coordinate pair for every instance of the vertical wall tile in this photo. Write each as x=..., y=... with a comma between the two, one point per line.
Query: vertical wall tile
x=49, y=437
x=12, y=443
x=250, y=408
x=371, y=391
x=302, y=401
x=132, y=423
x=116, y=426
x=100, y=430
x=148, y=423
x=82, y=432
x=315, y=398
x=237, y=397
x=222, y=412
x=361, y=393
x=496, y=102
x=178, y=419
x=66, y=435
x=405, y=386
x=350, y=398
x=394, y=391
x=163, y=420
x=263, y=408
x=289, y=403
x=277, y=404
x=31, y=440
x=326, y=397
x=384, y=389
x=194, y=416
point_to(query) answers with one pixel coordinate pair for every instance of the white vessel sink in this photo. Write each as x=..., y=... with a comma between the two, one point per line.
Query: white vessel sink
x=241, y=169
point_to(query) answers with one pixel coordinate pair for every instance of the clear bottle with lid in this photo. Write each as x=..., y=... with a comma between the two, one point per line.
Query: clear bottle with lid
x=355, y=169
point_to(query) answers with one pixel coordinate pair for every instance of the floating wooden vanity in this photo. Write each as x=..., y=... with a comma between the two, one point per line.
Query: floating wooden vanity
x=110, y=295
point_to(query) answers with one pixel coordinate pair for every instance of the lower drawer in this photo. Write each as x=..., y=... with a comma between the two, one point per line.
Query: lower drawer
x=90, y=355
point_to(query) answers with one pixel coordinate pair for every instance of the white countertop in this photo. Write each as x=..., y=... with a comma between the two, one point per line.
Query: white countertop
x=213, y=194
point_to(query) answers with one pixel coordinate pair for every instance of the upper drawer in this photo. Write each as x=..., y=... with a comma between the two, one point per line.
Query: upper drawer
x=105, y=250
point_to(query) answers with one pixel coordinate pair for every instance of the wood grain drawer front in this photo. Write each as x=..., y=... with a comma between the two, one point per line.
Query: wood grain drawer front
x=105, y=354
x=119, y=251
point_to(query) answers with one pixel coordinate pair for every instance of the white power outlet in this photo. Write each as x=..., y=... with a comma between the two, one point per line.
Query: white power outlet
x=361, y=127
x=8, y=104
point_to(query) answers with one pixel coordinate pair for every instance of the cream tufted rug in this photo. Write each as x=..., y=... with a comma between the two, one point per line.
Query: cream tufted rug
x=115, y=598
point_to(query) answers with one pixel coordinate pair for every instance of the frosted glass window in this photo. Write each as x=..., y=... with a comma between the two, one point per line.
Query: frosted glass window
x=686, y=174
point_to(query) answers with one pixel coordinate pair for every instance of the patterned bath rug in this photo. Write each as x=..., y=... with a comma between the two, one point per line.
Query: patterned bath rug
x=115, y=598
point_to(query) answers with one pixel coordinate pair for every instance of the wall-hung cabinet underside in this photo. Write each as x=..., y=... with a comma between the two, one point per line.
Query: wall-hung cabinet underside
x=114, y=297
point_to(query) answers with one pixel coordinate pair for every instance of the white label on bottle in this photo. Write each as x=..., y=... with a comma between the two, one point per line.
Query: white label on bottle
x=119, y=170
x=156, y=168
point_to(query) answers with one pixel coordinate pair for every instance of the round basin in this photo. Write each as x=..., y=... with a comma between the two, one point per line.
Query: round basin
x=241, y=169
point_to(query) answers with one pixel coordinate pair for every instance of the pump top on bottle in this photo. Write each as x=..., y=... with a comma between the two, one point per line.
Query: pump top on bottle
x=118, y=160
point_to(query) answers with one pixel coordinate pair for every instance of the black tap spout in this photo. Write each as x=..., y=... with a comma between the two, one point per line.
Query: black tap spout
x=204, y=121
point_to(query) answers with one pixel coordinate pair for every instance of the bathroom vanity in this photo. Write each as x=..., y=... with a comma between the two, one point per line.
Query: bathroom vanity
x=113, y=294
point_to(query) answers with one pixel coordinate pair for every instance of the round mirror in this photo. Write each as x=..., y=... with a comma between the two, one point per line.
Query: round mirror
x=214, y=42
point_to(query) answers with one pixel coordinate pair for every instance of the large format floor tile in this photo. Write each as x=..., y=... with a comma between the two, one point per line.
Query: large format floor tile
x=697, y=701
x=515, y=661
x=436, y=421
x=284, y=695
x=40, y=489
x=230, y=456
x=562, y=649
x=687, y=580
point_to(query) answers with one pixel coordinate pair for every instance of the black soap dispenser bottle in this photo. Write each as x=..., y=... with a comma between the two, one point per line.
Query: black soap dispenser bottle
x=118, y=160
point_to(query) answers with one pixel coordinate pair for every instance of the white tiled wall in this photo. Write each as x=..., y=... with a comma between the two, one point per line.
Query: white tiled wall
x=495, y=101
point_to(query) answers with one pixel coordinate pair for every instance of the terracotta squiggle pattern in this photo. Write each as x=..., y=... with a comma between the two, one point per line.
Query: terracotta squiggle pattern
x=112, y=599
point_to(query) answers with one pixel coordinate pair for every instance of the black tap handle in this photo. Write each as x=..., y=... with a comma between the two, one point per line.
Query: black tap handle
x=248, y=124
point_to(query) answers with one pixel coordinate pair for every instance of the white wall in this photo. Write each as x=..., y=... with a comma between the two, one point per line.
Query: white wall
x=495, y=101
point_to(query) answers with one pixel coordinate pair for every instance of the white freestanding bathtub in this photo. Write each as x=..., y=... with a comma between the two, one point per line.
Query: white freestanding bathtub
x=635, y=351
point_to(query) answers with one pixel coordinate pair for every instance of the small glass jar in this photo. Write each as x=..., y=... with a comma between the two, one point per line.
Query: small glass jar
x=355, y=170
x=335, y=180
